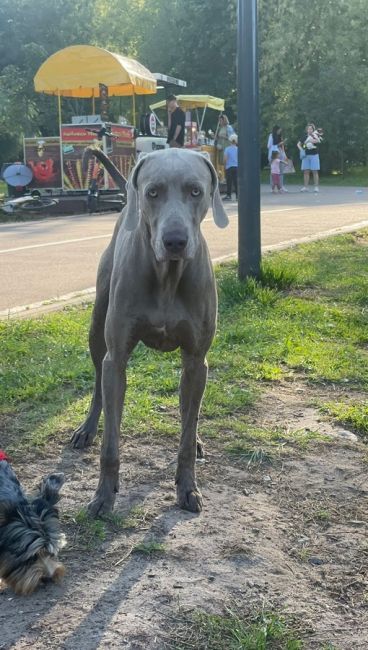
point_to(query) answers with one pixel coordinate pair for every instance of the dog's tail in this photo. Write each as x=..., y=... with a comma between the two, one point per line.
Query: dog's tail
x=115, y=174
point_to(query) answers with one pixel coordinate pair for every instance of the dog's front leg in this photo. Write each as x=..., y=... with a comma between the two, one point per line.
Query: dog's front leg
x=113, y=393
x=192, y=385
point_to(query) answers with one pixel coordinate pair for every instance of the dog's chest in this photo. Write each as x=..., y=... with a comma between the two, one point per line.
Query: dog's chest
x=167, y=332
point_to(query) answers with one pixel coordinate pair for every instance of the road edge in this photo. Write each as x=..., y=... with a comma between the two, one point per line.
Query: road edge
x=88, y=295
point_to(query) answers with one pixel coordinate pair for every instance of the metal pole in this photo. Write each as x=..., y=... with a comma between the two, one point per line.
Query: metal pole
x=249, y=238
x=202, y=120
x=59, y=109
x=133, y=96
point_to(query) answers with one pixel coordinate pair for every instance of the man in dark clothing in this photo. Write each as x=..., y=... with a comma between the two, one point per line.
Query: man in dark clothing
x=175, y=136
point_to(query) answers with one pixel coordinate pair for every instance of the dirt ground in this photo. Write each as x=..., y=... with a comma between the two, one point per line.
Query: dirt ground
x=290, y=535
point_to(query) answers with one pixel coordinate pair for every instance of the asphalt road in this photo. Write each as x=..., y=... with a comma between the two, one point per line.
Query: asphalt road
x=56, y=259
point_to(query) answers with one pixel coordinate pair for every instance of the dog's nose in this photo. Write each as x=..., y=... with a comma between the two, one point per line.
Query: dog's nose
x=52, y=569
x=175, y=241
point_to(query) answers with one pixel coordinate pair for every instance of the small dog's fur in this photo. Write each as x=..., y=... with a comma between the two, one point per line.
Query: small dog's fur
x=30, y=535
x=313, y=138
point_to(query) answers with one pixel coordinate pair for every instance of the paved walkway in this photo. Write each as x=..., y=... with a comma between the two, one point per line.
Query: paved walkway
x=48, y=263
x=295, y=217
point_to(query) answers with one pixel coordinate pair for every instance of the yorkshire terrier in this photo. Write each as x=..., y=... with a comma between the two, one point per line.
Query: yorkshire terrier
x=30, y=535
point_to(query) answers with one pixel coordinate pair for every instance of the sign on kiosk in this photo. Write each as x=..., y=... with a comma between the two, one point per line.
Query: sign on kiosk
x=42, y=156
x=78, y=174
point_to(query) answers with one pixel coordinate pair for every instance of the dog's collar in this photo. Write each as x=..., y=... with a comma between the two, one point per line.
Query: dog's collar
x=3, y=455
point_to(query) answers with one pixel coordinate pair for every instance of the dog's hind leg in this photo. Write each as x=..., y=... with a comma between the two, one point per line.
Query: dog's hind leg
x=84, y=435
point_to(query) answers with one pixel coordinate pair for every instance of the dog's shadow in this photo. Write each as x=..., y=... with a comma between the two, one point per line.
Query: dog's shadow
x=92, y=628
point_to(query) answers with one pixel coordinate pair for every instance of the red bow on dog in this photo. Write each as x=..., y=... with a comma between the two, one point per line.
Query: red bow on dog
x=3, y=455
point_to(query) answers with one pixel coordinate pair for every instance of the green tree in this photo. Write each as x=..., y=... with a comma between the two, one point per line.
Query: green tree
x=313, y=61
x=193, y=40
x=29, y=33
x=313, y=67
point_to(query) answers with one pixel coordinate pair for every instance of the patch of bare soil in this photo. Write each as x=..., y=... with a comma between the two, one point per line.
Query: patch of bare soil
x=290, y=535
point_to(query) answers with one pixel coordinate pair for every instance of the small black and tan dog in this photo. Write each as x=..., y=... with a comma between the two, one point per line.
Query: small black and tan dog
x=30, y=535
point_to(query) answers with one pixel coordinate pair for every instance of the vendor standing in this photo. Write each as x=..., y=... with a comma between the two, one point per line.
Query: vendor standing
x=176, y=122
x=222, y=140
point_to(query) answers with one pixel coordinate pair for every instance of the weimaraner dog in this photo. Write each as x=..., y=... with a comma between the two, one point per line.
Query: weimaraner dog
x=155, y=284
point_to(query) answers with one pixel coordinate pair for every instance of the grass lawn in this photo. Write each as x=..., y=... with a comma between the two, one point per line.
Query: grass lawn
x=231, y=632
x=306, y=317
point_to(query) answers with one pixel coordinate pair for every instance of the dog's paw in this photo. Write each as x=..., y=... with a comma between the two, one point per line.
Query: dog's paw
x=190, y=500
x=200, y=448
x=100, y=505
x=83, y=436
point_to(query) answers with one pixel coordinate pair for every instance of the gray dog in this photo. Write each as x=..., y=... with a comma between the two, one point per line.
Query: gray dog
x=155, y=284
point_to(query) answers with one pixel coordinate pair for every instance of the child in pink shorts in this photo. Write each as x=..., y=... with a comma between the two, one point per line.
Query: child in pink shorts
x=276, y=171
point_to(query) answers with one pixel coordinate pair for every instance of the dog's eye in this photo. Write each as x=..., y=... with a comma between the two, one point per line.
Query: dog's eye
x=196, y=191
x=153, y=194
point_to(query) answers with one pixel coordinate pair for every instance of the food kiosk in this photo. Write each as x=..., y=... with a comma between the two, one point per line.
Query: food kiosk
x=88, y=72
x=59, y=164
x=195, y=137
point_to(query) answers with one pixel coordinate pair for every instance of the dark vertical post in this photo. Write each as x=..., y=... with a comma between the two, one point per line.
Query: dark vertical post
x=249, y=239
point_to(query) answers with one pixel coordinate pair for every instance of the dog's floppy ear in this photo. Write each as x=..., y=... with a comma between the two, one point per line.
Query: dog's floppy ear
x=219, y=215
x=132, y=210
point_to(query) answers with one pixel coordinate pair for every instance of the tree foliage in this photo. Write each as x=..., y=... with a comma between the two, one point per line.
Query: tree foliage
x=29, y=33
x=313, y=67
x=313, y=60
